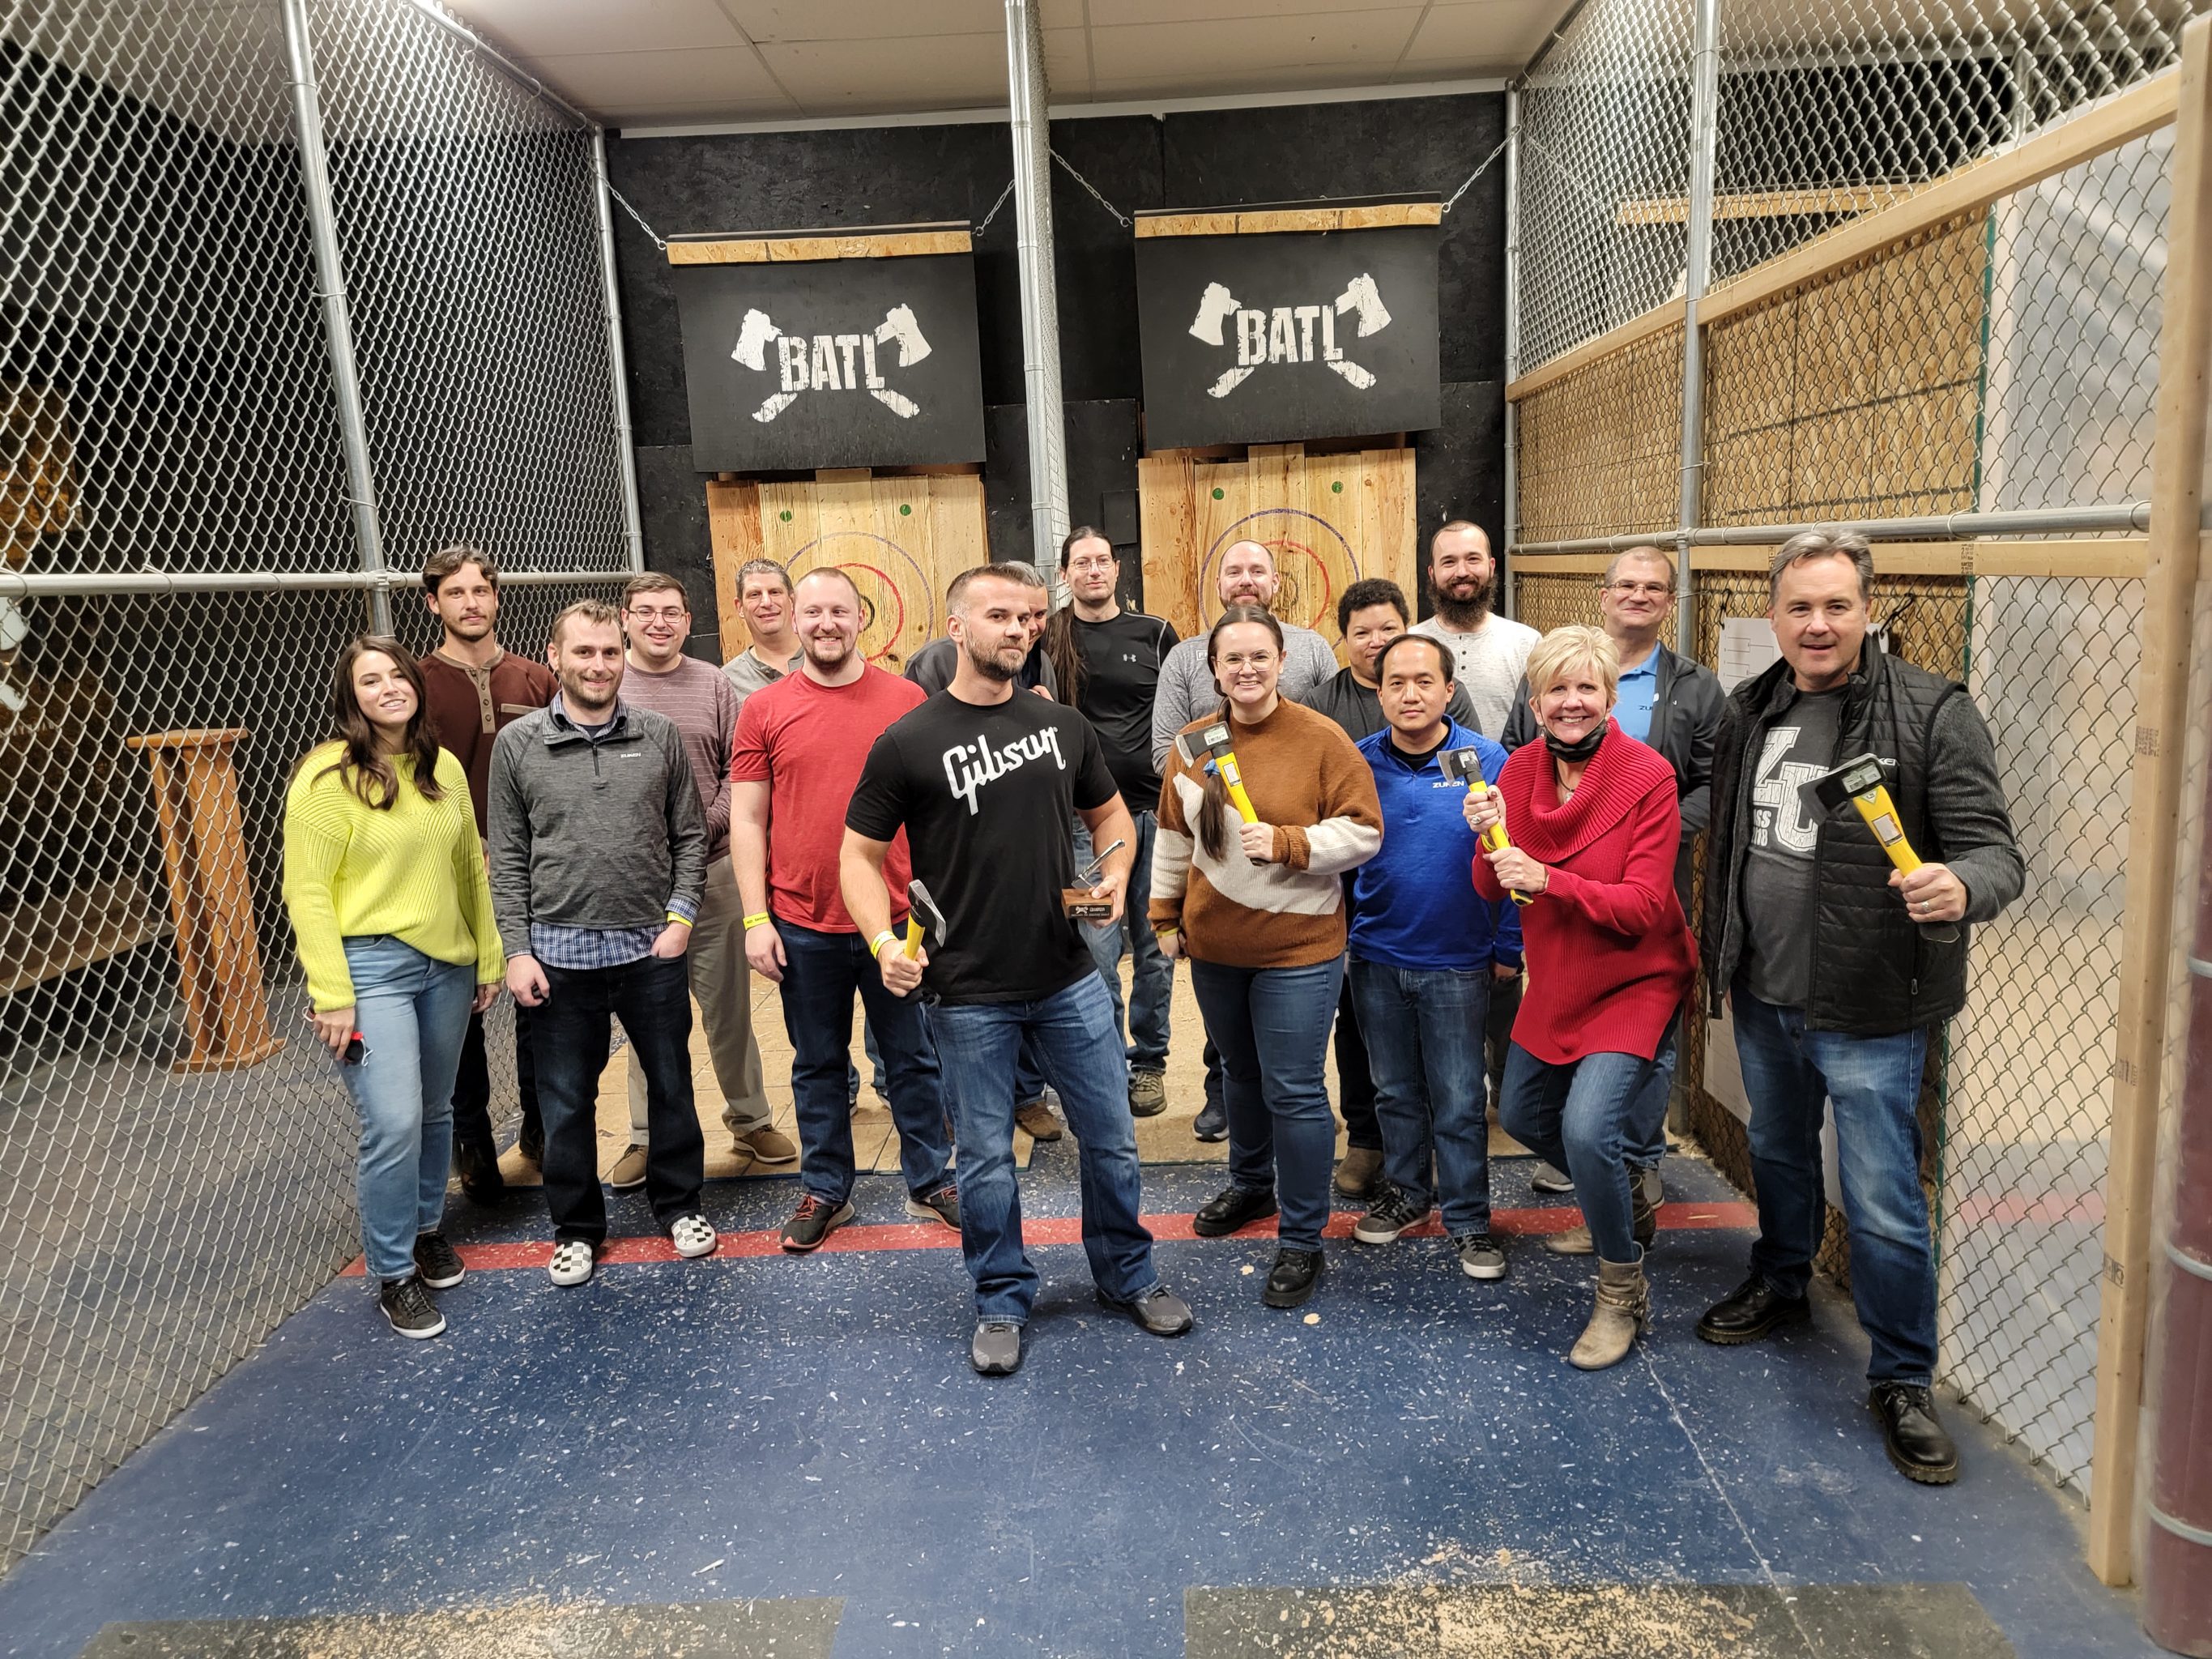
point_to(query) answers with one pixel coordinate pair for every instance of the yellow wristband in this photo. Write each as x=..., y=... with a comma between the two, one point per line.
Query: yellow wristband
x=876, y=945
x=755, y=920
x=686, y=921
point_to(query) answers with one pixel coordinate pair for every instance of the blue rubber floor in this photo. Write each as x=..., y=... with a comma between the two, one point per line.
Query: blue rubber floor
x=684, y=1432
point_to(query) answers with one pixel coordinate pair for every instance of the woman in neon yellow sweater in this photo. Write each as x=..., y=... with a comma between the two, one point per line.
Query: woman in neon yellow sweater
x=384, y=877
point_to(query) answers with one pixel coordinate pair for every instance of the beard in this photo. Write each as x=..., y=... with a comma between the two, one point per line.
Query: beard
x=828, y=651
x=984, y=660
x=1466, y=614
x=473, y=628
x=578, y=696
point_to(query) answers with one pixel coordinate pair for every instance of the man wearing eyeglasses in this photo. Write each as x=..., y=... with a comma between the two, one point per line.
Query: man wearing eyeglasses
x=1673, y=704
x=703, y=702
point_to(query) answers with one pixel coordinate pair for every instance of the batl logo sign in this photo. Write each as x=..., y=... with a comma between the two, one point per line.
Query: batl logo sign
x=1287, y=334
x=831, y=362
x=857, y=361
x=1281, y=336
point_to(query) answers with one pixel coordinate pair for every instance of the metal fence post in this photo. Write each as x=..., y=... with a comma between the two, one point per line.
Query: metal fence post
x=337, y=323
x=1032, y=142
x=1704, y=122
x=1512, y=323
x=617, y=367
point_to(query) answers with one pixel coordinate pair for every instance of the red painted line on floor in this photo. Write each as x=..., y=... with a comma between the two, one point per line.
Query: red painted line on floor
x=1054, y=1229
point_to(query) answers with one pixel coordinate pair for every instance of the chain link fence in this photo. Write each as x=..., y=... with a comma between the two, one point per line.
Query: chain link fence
x=177, y=569
x=2000, y=359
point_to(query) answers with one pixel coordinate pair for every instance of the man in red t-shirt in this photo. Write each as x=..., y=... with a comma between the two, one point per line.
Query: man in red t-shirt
x=472, y=691
x=800, y=747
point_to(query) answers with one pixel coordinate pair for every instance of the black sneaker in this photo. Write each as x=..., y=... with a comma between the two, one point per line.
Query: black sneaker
x=1212, y=1123
x=409, y=1307
x=1292, y=1279
x=814, y=1220
x=1230, y=1209
x=942, y=1205
x=1916, y=1442
x=436, y=1263
x=1390, y=1215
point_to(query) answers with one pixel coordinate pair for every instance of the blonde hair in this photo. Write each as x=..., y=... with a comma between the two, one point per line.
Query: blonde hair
x=1575, y=646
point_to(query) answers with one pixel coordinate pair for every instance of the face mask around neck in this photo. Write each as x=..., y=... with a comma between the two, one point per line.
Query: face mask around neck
x=1578, y=751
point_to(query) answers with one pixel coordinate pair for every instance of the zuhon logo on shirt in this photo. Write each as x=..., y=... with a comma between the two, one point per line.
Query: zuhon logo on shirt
x=969, y=766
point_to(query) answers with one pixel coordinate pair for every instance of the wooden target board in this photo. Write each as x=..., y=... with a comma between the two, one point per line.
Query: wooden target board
x=1330, y=520
x=900, y=539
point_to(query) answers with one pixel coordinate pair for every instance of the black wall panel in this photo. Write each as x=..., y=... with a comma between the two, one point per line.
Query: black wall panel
x=889, y=175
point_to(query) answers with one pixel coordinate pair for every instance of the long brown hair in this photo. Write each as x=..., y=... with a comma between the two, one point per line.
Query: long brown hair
x=365, y=769
x=1213, y=811
x=1060, y=649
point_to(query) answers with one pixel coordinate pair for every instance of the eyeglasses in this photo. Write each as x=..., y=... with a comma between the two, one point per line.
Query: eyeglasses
x=1090, y=564
x=675, y=616
x=1656, y=590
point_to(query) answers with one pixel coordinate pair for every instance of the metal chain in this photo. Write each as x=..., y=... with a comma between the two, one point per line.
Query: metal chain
x=659, y=241
x=1120, y=217
x=1497, y=151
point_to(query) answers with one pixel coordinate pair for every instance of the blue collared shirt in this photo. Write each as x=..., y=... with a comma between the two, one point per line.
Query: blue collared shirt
x=585, y=948
x=1639, y=690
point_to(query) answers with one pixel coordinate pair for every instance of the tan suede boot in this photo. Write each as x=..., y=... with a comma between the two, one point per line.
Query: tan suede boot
x=1644, y=1215
x=1623, y=1304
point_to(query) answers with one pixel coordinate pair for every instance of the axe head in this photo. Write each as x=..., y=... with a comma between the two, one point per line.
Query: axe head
x=1832, y=791
x=1463, y=766
x=1200, y=746
x=924, y=910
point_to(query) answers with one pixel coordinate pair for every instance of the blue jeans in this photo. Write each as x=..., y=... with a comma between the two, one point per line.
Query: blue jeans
x=1271, y=1025
x=1875, y=1083
x=1644, y=1143
x=1151, y=979
x=570, y=1032
x=1075, y=1038
x=412, y=1014
x=1423, y=1030
x=821, y=973
x=1575, y=1118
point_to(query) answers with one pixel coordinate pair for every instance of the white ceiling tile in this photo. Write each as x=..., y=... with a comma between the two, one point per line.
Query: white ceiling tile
x=785, y=20
x=623, y=80
x=1500, y=34
x=939, y=72
x=1346, y=44
x=545, y=29
x=1061, y=15
x=1122, y=14
x=1066, y=61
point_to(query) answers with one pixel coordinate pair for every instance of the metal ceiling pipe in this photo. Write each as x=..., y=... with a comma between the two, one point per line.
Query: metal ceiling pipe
x=2123, y=517
x=1032, y=143
x=1512, y=526
x=618, y=369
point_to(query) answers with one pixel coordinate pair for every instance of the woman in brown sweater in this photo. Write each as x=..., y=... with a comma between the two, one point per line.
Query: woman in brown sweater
x=1254, y=898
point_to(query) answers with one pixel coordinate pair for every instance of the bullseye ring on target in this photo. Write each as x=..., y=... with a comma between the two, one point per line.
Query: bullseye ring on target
x=1302, y=543
x=880, y=568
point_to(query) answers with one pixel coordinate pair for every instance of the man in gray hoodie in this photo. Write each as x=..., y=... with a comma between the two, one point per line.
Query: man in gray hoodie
x=599, y=853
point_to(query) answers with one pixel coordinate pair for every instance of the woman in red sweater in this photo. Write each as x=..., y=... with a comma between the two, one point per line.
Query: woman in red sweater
x=1595, y=824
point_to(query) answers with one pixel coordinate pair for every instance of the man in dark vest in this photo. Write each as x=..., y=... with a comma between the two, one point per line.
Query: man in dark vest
x=1838, y=967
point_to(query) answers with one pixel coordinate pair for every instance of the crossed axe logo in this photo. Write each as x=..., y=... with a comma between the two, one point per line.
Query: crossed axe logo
x=1287, y=334
x=831, y=362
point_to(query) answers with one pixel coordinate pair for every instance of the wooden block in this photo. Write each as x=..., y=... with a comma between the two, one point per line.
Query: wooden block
x=733, y=536
x=905, y=242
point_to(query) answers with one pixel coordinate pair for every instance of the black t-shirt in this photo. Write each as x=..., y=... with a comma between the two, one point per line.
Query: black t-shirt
x=1778, y=875
x=985, y=794
x=1121, y=678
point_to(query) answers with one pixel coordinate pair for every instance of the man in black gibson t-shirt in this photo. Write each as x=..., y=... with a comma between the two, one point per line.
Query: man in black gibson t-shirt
x=1108, y=660
x=981, y=780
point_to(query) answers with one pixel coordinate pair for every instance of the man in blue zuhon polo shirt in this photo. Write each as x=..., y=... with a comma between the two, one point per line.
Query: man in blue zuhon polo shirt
x=1424, y=947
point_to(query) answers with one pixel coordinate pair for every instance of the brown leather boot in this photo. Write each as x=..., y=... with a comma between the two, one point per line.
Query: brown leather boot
x=1623, y=1305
